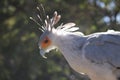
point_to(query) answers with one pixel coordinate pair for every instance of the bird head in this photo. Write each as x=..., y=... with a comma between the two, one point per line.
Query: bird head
x=46, y=43
x=47, y=39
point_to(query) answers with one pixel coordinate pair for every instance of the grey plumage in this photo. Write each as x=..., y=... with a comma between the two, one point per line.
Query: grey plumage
x=103, y=48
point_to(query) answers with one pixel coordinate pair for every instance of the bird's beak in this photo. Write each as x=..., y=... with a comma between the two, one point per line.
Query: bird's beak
x=42, y=52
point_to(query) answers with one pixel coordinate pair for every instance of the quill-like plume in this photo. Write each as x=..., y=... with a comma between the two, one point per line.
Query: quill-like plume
x=48, y=23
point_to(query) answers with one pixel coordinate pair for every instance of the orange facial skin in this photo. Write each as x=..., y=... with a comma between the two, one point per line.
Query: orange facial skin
x=45, y=43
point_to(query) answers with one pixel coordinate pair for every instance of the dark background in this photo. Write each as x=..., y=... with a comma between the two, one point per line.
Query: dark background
x=19, y=53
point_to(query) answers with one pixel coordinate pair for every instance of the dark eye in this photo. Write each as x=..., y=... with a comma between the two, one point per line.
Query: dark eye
x=46, y=41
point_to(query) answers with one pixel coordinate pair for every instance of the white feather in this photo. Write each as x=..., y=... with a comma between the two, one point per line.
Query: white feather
x=67, y=26
x=72, y=29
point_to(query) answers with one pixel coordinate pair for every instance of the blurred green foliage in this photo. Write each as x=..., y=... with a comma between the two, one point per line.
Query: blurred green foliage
x=19, y=54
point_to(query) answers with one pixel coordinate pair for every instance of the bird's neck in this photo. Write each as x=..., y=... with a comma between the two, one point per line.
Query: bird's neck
x=67, y=42
x=70, y=46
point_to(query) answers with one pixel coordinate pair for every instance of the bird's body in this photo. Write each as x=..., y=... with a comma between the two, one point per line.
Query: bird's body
x=95, y=64
x=97, y=55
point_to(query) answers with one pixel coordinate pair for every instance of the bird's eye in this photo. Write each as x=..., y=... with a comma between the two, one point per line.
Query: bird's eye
x=45, y=43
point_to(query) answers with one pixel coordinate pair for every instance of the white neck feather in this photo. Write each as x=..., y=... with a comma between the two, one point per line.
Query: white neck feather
x=70, y=46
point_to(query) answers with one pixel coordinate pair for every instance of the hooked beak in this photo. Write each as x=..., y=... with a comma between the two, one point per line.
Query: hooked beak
x=42, y=52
